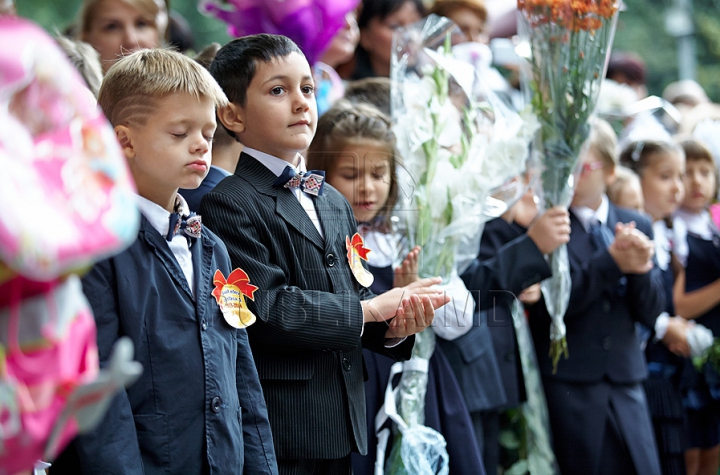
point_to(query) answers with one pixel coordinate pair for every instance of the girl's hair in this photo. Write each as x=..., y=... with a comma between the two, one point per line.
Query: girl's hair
x=637, y=156
x=155, y=11
x=345, y=125
x=623, y=176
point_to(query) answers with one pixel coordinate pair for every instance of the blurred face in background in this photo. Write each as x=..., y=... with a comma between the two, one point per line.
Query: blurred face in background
x=700, y=183
x=116, y=27
x=342, y=47
x=472, y=26
x=662, y=184
x=376, y=37
x=594, y=178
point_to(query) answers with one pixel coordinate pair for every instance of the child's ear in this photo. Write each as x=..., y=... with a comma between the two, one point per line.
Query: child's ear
x=610, y=175
x=232, y=117
x=123, y=134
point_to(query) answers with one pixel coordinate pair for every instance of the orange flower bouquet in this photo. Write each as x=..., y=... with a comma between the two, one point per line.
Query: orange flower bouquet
x=566, y=44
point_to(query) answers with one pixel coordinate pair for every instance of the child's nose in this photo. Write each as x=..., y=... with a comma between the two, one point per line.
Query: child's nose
x=302, y=103
x=199, y=145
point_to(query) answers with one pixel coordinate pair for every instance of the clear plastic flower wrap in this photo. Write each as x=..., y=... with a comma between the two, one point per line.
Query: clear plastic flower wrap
x=462, y=152
x=566, y=44
x=458, y=143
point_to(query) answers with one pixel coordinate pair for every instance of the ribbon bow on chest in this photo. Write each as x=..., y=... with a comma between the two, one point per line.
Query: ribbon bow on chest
x=310, y=182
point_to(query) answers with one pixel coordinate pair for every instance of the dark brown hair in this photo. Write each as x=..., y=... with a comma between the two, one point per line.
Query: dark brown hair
x=344, y=125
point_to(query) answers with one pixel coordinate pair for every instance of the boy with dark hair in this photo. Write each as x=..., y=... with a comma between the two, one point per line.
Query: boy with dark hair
x=291, y=232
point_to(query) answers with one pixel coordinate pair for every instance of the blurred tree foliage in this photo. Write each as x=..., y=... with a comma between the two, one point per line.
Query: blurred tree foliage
x=641, y=29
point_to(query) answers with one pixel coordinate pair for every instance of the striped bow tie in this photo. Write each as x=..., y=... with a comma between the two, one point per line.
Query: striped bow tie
x=311, y=181
x=189, y=226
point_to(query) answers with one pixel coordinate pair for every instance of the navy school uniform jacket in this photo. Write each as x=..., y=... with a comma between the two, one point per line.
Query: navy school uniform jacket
x=600, y=318
x=198, y=406
x=307, y=340
x=500, y=272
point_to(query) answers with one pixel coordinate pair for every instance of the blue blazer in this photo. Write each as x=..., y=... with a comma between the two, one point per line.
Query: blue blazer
x=308, y=339
x=198, y=407
x=600, y=321
x=194, y=197
x=493, y=281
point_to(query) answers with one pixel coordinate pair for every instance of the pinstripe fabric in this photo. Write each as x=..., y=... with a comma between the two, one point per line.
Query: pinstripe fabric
x=306, y=342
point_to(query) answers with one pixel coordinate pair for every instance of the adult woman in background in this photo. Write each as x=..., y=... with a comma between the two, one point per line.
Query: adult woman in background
x=118, y=27
x=378, y=20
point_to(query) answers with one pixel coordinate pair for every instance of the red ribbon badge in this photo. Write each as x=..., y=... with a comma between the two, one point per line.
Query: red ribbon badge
x=356, y=253
x=230, y=294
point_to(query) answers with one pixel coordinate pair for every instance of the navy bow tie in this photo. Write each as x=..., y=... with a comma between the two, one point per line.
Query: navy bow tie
x=311, y=181
x=189, y=226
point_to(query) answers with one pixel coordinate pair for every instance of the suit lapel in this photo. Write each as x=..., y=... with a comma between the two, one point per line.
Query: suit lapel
x=160, y=248
x=612, y=218
x=202, y=254
x=286, y=205
x=329, y=213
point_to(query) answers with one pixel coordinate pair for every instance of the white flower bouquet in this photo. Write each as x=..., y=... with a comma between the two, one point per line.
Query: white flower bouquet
x=463, y=151
x=459, y=143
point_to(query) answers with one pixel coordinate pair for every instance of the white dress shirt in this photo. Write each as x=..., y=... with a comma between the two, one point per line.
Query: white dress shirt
x=159, y=219
x=277, y=166
x=588, y=216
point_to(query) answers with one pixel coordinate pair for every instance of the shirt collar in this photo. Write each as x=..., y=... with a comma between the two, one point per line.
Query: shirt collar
x=221, y=170
x=700, y=224
x=274, y=164
x=157, y=216
x=588, y=216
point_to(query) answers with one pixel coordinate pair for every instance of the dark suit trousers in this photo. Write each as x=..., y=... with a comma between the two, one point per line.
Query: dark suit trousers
x=601, y=428
x=487, y=433
x=341, y=466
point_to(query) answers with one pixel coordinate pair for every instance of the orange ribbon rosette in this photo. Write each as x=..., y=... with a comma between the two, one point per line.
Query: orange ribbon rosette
x=230, y=294
x=356, y=253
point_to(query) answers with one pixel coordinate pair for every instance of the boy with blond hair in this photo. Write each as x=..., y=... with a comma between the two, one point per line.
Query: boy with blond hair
x=198, y=406
x=597, y=405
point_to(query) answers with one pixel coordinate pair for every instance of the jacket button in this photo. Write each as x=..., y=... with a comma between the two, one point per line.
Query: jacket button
x=606, y=343
x=330, y=259
x=216, y=404
x=606, y=306
x=346, y=364
x=204, y=324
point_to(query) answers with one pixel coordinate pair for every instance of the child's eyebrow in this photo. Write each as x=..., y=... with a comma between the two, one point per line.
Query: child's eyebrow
x=281, y=77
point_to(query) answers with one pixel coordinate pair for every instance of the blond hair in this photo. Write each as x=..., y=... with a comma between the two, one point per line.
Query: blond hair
x=623, y=177
x=133, y=85
x=154, y=11
x=603, y=142
x=85, y=59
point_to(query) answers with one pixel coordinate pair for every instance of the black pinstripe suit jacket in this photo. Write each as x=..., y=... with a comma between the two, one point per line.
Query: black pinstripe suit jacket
x=307, y=340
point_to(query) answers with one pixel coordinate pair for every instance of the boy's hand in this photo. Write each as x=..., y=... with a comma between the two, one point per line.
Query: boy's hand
x=531, y=295
x=414, y=315
x=384, y=306
x=632, y=251
x=551, y=229
x=407, y=273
